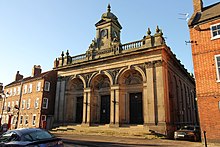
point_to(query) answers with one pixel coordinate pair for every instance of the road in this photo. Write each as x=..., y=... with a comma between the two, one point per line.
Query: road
x=79, y=140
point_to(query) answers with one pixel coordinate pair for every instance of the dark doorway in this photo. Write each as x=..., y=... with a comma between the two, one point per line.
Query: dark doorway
x=136, y=108
x=79, y=109
x=105, y=109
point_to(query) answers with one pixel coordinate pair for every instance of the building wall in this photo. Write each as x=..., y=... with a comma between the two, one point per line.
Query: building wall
x=31, y=102
x=157, y=68
x=207, y=86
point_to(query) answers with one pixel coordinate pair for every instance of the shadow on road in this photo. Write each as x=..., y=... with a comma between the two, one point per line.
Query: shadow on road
x=105, y=144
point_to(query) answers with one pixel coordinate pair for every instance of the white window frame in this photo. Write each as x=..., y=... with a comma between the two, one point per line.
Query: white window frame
x=30, y=88
x=28, y=104
x=23, y=104
x=38, y=87
x=45, y=107
x=18, y=90
x=47, y=86
x=25, y=89
x=34, y=120
x=43, y=116
x=11, y=92
x=15, y=90
x=26, y=120
x=217, y=67
x=36, y=103
x=218, y=35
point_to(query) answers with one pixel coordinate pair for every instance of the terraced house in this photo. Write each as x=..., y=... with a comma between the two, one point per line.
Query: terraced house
x=138, y=83
x=29, y=101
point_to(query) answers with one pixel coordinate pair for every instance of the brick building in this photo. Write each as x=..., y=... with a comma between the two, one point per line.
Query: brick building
x=29, y=101
x=204, y=27
x=138, y=83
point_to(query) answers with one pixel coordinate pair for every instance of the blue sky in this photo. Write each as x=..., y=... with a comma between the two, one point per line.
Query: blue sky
x=35, y=32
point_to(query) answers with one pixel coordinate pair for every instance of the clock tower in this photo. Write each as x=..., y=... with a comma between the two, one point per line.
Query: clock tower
x=107, y=30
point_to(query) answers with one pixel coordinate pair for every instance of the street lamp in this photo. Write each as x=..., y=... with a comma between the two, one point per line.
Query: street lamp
x=3, y=96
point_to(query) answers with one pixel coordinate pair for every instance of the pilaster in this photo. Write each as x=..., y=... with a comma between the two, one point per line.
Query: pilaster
x=150, y=118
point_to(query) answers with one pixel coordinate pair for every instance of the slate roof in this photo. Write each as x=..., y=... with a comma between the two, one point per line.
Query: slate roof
x=208, y=13
x=28, y=79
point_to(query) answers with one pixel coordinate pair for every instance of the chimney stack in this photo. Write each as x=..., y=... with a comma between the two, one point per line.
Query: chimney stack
x=36, y=70
x=18, y=76
x=198, y=5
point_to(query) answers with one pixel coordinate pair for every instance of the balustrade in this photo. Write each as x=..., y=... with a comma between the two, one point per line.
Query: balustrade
x=132, y=45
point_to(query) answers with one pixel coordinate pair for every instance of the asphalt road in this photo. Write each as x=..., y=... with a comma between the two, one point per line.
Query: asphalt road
x=79, y=140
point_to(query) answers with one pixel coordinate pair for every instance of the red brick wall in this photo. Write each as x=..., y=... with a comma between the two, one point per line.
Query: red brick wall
x=207, y=87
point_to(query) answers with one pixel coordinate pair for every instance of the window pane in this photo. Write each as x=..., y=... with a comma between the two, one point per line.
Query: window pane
x=218, y=27
x=214, y=28
x=214, y=34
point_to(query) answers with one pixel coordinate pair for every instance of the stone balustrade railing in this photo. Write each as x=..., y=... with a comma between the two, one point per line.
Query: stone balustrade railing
x=132, y=45
x=78, y=57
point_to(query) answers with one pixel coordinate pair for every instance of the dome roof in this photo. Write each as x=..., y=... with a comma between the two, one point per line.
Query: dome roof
x=108, y=14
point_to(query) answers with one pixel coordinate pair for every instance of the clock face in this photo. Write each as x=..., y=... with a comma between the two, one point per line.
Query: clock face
x=103, y=33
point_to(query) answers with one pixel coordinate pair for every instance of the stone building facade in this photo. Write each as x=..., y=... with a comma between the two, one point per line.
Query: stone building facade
x=115, y=84
x=204, y=27
x=29, y=101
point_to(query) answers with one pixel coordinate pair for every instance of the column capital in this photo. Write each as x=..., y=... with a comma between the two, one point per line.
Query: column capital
x=87, y=90
x=145, y=84
x=149, y=64
x=115, y=87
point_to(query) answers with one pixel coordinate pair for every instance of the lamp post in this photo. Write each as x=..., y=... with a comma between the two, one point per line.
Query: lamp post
x=19, y=105
x=3, y=96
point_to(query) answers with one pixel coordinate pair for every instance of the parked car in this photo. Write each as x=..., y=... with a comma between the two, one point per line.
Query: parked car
x=29, y=137
x=188, y=133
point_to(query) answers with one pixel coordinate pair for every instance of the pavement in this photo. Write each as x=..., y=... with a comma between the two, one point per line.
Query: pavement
x=103, y=136
x=95, y=140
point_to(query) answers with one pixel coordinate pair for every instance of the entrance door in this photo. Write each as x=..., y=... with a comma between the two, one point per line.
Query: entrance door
x=136, y=108
x=105, y=109
x=79, y=109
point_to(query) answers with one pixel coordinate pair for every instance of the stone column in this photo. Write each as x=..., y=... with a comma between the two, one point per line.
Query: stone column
x=114, y=110
x=86, y=107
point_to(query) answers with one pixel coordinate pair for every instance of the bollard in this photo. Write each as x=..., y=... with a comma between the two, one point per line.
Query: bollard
x=205, y=138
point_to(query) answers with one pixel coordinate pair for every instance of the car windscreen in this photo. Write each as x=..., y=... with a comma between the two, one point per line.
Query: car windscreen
x=37, y=135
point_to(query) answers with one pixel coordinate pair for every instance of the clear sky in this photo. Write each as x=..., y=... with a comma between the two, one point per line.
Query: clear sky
x=35, y=32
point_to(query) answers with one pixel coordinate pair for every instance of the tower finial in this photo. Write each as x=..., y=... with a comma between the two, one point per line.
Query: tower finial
x=109, y=8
